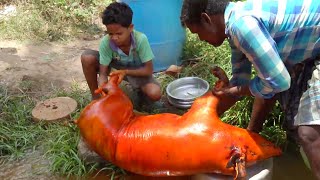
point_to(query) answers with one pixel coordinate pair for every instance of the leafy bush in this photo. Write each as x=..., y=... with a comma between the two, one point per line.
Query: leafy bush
x=53, y=19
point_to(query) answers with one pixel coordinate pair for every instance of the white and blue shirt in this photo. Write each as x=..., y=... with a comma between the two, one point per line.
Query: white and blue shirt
x=271, y=35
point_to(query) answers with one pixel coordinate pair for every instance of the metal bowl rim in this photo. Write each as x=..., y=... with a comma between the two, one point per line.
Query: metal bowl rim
x=190, y=77
x=175, y=101
x=183, y=106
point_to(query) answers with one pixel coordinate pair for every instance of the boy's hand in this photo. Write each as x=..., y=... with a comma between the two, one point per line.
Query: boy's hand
x=102, y=80
x=120, y=73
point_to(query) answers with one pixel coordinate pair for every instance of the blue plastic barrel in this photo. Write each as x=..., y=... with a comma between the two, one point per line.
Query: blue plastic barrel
x=160, y=21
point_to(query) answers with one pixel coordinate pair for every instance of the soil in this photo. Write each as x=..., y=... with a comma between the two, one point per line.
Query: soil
x=39, y=68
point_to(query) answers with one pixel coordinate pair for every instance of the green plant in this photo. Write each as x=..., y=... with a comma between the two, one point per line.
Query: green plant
x=53, y=19
x=18, y=133
x=62, y=151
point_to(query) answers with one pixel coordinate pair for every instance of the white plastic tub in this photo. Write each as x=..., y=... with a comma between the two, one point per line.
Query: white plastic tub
x=260, y=171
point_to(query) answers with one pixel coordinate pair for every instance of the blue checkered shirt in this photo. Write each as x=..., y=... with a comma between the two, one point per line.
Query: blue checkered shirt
x=272, y=36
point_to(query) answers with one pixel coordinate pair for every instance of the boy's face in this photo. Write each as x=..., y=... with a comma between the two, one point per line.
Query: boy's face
x=119, y=35
x=209, y=31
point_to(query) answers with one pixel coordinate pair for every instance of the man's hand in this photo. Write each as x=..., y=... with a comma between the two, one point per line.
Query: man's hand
x=232, y=92
x=120, y=73
x=227, y=99
x=223, y=90
x=221, y=75
x=222, y=87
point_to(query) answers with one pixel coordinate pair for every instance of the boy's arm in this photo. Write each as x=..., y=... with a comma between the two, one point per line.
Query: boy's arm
x=146, y=55
x=103, y=74
x=105, y=58
x=145, y=70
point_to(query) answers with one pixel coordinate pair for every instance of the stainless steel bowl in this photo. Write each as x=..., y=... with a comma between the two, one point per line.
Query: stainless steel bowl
x=182, y=92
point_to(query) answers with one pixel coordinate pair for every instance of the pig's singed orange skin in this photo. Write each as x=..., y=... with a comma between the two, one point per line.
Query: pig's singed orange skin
x=167, y=144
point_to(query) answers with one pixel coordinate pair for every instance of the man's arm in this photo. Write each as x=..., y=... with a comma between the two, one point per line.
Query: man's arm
x=261, y=109
x=228, y=93
x=241, y=67
x=238, y=86
x=253, y=39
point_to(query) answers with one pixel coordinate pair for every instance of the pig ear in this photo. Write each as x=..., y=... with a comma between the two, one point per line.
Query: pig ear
x=114, y=78
x=237, y=161
x=103, y=90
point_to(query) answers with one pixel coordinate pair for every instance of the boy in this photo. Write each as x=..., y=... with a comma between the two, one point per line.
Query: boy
x=124, y=49
x=273, y=36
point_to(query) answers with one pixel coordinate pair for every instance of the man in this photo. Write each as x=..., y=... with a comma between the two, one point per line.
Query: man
x=272, y=36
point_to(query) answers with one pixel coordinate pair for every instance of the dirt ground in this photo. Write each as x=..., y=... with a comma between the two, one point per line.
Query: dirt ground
x=40, y=68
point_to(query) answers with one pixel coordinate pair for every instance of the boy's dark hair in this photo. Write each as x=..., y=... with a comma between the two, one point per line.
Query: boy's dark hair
x=192, y=9
x=117, y=13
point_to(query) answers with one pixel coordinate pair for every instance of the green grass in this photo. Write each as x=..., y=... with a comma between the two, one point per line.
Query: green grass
x=19, y=134
x=63, y=138
x=62, y=151
x=60, y=20
x=199, y=56
x=17, y=130
x=53, y=20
